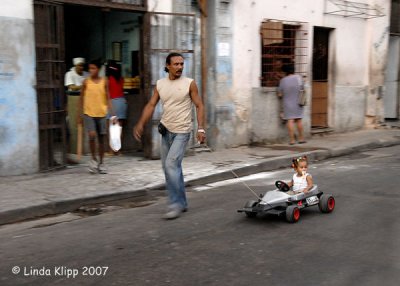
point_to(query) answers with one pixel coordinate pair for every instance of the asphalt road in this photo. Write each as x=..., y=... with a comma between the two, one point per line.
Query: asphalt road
x=357, y=244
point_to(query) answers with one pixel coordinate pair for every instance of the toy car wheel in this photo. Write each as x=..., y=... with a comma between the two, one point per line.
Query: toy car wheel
x=250, y=204
x=326, y=203
x=292, y=214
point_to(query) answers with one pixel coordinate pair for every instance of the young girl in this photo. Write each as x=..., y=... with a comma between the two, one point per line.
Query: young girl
x=94, y=105
x=302, y=181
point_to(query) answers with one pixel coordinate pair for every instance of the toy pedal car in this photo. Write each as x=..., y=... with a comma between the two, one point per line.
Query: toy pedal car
x=278, y=202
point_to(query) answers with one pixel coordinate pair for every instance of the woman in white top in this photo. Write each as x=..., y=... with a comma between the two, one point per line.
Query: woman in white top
x=302, y=181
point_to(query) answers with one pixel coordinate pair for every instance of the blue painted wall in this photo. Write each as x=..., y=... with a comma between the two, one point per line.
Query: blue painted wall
x=18, y=106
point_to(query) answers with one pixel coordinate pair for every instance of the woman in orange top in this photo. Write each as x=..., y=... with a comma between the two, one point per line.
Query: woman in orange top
x=95, y=103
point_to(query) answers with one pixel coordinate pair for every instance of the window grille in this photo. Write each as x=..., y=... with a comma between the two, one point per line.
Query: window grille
x=282, y=44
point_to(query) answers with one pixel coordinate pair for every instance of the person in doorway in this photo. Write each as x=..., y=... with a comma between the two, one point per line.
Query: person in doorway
x=75, y=77
x=289, y=89
x=116, y=91
x=94, y=105
x=73, y=81
x=177, y=94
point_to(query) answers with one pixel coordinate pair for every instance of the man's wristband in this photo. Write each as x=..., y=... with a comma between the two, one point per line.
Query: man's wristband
x=201, y=131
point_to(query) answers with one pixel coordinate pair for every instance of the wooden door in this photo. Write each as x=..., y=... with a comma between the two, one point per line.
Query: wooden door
x=320, y=83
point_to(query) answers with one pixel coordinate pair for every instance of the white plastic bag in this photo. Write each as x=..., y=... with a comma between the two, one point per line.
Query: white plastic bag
x=115, y=136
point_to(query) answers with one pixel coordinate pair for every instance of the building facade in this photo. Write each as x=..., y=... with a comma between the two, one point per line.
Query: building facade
x=339, y=47
x=38, y=42
x=233, y=48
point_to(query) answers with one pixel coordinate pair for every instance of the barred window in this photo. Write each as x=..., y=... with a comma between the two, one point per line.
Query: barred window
x=282, y=44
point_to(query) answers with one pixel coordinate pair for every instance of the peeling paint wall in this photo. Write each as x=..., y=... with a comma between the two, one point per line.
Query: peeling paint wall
x=378, y=47
x=228, y=109
x=18, y=106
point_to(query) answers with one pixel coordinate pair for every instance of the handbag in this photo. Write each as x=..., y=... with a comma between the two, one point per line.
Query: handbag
x=302, y=93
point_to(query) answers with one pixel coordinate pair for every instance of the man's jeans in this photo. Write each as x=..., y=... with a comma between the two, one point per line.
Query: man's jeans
x=173, y=148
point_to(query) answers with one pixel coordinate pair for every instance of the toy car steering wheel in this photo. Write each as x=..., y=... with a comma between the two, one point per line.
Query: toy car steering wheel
x=282, y=186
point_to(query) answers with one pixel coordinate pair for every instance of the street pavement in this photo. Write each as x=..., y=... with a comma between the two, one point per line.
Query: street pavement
x=26, y=197
x=212, y=244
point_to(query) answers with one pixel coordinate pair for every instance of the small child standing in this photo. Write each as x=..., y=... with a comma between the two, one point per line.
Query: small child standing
x=94, y=104
x=301, y=181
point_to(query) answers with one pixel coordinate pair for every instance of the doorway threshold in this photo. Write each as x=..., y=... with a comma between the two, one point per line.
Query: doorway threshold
x=318, y=130
x=393, y=123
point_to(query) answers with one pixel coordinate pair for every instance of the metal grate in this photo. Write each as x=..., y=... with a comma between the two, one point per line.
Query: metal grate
x=50, y=70
x=168, y=32
x=283, y=43
x=352, y=9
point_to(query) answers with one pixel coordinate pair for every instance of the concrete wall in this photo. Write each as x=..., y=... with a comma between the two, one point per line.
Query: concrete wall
x=251, y=113
x=18, y=106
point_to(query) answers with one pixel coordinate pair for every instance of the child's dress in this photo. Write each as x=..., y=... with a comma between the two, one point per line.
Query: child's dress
x=300, y=183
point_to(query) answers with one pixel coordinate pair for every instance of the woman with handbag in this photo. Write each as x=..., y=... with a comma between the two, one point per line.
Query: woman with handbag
x=291, y=90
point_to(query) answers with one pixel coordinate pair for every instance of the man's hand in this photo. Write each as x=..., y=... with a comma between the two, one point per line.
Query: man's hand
x=201, y=136
x=138, y=132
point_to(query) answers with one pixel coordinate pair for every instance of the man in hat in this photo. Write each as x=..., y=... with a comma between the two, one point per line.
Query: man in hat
x=73, y=82
x=75, y=77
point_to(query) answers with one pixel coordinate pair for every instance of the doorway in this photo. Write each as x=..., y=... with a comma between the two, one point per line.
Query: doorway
x=320, y=78
x=64, y=31
x=95, y=33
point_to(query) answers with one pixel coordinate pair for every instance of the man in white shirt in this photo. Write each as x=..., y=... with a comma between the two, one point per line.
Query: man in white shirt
x=75, y=77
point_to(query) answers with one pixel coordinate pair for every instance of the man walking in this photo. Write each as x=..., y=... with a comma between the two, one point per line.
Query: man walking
x=177, y=94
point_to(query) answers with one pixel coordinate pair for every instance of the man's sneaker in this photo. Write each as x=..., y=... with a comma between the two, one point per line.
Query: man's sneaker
x=93, y=167
x=172, y=214
x=102, y=169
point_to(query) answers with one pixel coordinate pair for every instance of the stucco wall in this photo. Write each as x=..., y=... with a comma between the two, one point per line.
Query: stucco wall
x=18, y=107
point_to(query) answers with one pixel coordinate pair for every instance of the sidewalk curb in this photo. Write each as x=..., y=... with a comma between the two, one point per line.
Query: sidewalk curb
x=68, y=205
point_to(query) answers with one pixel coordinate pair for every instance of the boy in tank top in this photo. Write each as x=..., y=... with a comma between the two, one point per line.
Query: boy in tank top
x=94, y=105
